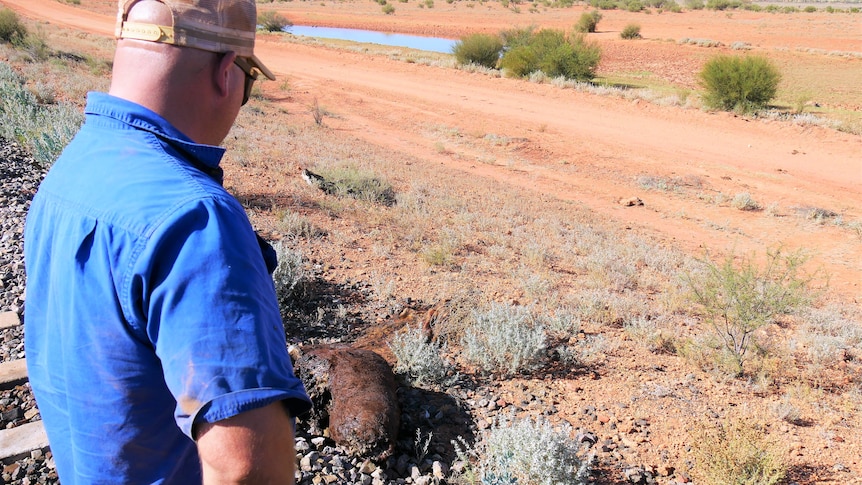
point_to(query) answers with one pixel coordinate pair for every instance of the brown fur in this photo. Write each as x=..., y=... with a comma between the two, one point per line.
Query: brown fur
x=355, y=389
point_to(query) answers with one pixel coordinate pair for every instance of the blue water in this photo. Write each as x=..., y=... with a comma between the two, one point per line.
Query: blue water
x=432, y=44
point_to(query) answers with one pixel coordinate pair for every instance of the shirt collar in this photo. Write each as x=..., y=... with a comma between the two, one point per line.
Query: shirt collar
x=133, y=114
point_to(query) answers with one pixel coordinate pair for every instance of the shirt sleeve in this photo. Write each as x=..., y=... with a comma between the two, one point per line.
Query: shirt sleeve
x=213, y=317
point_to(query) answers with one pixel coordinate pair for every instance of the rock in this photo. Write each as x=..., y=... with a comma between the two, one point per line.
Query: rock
x=630, y=202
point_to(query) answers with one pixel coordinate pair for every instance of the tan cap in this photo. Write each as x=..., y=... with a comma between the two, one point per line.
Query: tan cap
x=210, y=25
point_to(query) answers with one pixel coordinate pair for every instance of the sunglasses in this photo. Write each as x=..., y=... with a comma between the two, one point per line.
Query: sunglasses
x=251, y=74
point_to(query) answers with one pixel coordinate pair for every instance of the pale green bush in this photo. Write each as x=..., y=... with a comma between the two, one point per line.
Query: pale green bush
x=289, y=274
x=419, y=358
x=504, y=339
x=523, y=451
x=44, y=130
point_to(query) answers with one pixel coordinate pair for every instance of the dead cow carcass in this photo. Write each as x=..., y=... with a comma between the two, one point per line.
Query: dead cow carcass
x=353, y=391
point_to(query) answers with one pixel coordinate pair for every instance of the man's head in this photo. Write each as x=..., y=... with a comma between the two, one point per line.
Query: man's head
x=182, y=58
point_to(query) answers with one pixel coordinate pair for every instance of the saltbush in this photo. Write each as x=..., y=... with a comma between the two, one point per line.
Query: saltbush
x=742, y=84
x=504, y=339
x=272, y=21
x=588, y=22
x=419, y=358
x=631, y=31
x=11, y=28
x=524, y=451
x=44, y=130
x=481, y=49
x=288, y=275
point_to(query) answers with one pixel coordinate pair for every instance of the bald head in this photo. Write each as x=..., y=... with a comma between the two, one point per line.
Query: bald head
x=193, y=89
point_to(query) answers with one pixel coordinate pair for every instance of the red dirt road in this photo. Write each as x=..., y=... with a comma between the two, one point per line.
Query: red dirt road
x=587, y=148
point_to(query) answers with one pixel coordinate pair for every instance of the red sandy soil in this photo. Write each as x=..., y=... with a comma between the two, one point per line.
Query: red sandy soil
x=608, y=141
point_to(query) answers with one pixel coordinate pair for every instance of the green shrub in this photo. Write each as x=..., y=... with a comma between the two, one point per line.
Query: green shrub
x=739, y=83
x=272, y=21
x=575, y=59
x=736, y=452
x=388, y=9
x=631, y=31
x=723, y=4
x=634, y=5
x=481, y=49
x=604, y=4
x=694, y=4
x=810, y=9
x=418, y=358
x=523, y=451
x=588, y=22
x=552, y=53
x=517, y=37
x=671, y=6
x=737, y=300
x=504, y=339
x=44, y=130
x=11, y=28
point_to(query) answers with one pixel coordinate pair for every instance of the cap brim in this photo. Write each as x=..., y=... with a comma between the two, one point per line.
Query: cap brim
x=255, y=62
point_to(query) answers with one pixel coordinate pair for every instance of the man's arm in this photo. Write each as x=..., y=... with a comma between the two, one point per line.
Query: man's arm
x=254, y=447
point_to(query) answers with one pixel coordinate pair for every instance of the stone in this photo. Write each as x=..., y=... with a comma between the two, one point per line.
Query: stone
x=9, y=320
x=22, y=440
x=12, y=373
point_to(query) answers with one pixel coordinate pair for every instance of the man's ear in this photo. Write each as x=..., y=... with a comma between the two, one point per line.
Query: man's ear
x=225, y=74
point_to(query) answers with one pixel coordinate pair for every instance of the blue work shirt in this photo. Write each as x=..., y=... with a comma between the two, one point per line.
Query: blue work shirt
x=150, y=307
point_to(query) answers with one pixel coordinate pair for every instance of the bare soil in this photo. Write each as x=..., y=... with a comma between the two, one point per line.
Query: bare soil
x=572, y=147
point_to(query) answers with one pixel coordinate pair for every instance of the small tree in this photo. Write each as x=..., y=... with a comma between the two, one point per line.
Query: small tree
x=588, y=22
x=481, y=49
x=737, y=301
x=272, y=21
x=739, y=83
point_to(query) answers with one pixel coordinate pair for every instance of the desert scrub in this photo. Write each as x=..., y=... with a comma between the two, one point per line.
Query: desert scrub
x=631, y=31
x=481, y=49
x=588, y=22
x=11, y=29
x=744, y=202
x=739, y=299
x=44, y=130
x=736, y=453
x=288, y=275
x=523, y=451
x=743, y=84
x=504, y=339
x=347, y=181
x=272, y=21
x=419, y=358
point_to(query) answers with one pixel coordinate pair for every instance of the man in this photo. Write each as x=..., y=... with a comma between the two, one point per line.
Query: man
x=154, y=343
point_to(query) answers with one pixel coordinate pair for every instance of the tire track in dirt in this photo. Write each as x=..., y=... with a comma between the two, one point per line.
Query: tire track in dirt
x=609, y=141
